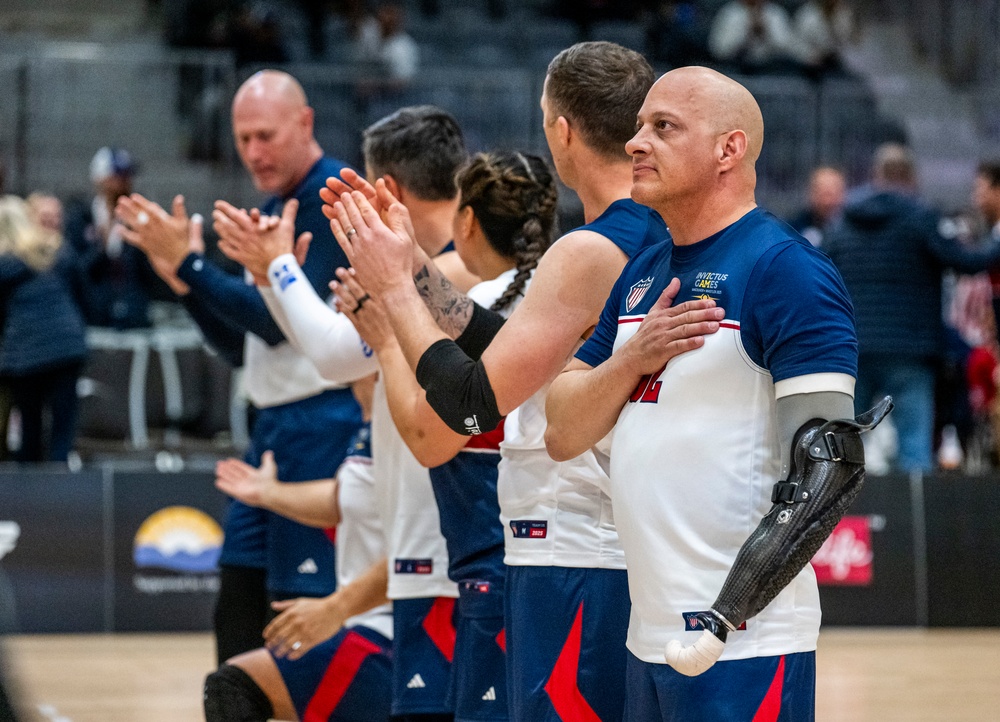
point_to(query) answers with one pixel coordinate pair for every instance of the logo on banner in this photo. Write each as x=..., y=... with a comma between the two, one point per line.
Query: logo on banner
x=10, y=532
x=846, y=557
x=636, y=293
x=179, y=539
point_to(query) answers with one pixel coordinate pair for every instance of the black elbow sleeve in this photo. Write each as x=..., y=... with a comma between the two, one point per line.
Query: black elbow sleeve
x=483, y=326
x=458, y=389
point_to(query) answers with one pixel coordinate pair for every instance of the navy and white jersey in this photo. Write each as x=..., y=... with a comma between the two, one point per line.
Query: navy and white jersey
x=348, y=677
x=465, y=487
x=695, y=451
x=559, y=514
x=359, y=536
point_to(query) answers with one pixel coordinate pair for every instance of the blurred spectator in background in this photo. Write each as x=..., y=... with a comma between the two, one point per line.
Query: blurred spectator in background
x=986, y=199
x=827, y=187
x=892, y=256
x=47, y=211
x=676, y=33
x=981, y=363
x=43, y=345
x=254, y=33
x=115, y=276
x=822, y=29
x=753, y=36
x=384, y=46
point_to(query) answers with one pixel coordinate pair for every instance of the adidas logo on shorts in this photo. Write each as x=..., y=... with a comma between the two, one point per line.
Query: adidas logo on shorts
x=491, y=695
x=308, y=567
x=416, y=682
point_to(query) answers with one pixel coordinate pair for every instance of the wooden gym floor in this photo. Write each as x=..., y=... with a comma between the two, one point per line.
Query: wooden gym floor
x=880, y=675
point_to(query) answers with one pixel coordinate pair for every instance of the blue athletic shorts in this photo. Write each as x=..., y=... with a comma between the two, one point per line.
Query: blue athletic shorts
x=566, y=643
x=423, y=648
x=309, y=439
x=478, y=690
x=345, y=679
x=760, y=689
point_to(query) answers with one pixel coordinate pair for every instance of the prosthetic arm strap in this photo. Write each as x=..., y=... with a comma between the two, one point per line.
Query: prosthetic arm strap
x=458, y=389
x=483, y=326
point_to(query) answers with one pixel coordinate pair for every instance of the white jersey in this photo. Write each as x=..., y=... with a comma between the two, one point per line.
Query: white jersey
x=538, y=495
x=360, y=541
x=695, y=452
x=554, y=513
x=417, y=558
x=559, y=513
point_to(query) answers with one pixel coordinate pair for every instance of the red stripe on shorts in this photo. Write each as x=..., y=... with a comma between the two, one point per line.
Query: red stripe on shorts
x=439, y=627
x=562, y=688
x=770, y=708
x=339, y=676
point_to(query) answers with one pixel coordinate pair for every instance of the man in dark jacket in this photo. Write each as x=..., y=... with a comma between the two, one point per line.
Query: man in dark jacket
x=115, y=277
x=892, y=256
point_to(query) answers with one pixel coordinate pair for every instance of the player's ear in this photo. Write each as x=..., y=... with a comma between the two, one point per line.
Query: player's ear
x=731, y=149
x=393, y=186
x=564, y=131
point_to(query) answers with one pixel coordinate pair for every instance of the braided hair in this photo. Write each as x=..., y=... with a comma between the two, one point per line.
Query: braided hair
x=513, y=196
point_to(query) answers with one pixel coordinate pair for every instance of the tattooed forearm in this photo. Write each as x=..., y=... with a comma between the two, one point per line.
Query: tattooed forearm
x=450, y=308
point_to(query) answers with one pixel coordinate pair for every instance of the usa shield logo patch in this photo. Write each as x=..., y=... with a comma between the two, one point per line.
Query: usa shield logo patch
x=636, y=293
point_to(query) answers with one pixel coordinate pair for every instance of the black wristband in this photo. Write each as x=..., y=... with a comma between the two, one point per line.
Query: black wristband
x=483, y=326
x=458, y=389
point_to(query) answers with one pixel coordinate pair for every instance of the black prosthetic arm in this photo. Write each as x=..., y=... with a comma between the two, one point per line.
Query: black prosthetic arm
x=826, y=474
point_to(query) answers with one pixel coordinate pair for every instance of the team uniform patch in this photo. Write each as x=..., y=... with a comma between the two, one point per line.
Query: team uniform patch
x=527, y=529
x=414, y=566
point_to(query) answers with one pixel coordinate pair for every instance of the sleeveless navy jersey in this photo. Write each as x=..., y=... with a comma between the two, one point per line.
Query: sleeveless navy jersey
x=466, y=492
x=629, y=225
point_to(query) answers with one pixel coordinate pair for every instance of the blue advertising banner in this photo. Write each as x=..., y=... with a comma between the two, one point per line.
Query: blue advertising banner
x=54, y=545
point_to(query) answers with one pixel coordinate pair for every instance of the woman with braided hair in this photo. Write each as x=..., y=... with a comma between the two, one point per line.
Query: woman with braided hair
x=512, y=198
x=504, y=223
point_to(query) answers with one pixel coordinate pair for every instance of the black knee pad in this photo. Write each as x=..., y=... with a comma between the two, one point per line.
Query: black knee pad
x=232, y=696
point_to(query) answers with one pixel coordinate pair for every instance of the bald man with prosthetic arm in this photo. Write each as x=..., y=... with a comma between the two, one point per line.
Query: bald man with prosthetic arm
x=721, y=430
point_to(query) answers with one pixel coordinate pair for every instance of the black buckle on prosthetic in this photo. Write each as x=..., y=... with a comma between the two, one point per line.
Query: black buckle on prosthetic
x=788, y=492
x=838, y=440
x=840, y=445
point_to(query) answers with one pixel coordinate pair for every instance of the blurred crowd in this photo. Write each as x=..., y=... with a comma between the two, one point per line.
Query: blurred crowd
x=804, y=37
x=926, y=289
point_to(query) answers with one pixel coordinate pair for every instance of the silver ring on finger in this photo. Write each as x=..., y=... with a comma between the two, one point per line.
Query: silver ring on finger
x=142, y=218
x=296, y=646
x=352, y=232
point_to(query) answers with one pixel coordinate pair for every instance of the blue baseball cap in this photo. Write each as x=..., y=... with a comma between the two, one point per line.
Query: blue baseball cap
x=110, y=161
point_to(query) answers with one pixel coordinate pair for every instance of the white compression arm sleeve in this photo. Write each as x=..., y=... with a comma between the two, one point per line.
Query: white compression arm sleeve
x=324, y=336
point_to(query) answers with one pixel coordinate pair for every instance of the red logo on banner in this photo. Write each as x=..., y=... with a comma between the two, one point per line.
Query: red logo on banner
x=846, y=557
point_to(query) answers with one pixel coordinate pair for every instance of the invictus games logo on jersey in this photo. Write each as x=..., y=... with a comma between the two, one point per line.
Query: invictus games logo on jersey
x=708, y=284
x=636, y=293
